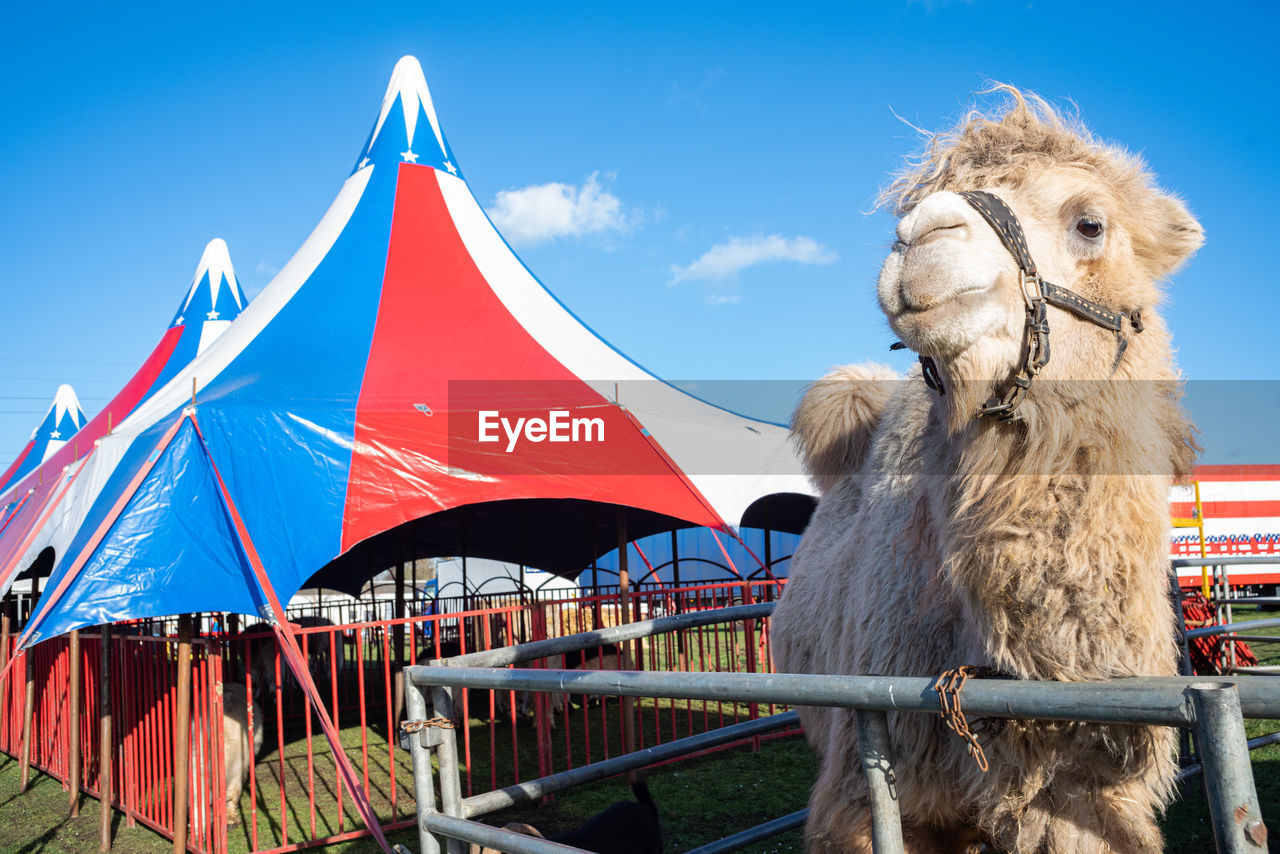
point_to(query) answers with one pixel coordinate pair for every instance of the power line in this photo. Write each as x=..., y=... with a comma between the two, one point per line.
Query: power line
x=56, y=380
x=65, y=361
x=45, y=397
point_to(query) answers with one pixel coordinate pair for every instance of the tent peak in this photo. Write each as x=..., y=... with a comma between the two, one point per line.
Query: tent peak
x=399, y=135
x=66, y=403
x=215, y=294
x=62, y=420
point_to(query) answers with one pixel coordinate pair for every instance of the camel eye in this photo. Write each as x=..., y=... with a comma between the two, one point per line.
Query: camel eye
x=1089, y=227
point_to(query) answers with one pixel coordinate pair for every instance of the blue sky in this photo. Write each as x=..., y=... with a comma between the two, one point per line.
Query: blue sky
x=693, y=182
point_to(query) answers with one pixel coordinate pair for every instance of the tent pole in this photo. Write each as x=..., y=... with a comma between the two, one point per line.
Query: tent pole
x=595, y=570
x=397, y=633
x=182, y=736
x=73, y=727
x=675, y=567
x=104, y=742
x=465, y=589
x=768, y=535
x=29, y=701
x=679, y=596
x=624, y=586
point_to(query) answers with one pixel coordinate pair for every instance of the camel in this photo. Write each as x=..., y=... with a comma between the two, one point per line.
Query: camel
x=1031, y=539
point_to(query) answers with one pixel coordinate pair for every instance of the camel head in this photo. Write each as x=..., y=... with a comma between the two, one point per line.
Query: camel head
x=1094, y=221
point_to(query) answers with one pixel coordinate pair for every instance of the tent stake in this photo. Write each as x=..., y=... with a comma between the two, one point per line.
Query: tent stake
x=104, y=743
x=182, y=737
x=73, y=739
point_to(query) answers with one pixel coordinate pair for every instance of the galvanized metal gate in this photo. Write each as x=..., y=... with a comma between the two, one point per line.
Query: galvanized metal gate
x=1213, y=708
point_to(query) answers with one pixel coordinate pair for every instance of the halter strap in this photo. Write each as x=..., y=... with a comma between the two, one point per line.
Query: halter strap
x=1036, y=292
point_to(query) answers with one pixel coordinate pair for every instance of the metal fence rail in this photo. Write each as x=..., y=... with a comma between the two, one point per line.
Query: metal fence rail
x=1214, y=709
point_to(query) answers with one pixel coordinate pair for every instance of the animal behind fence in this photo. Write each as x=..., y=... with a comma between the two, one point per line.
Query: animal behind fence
x=624, y=827
x=325, y=656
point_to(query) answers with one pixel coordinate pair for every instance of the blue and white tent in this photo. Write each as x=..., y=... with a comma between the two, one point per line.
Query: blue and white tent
x=63, y=420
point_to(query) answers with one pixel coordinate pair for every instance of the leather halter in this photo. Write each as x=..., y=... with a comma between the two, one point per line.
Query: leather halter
x=1037, y=293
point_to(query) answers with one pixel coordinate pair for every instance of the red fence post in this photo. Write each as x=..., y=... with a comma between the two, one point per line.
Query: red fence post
x=182, y=737
x=104, y=742
x=6, y=628
x=73, y=734
x=28, y=712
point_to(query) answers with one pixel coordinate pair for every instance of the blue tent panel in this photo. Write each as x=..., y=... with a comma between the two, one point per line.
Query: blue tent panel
x=191, y=562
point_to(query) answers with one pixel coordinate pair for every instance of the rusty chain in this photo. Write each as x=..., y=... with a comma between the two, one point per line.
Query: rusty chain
x=948, y=686
x=416, y=726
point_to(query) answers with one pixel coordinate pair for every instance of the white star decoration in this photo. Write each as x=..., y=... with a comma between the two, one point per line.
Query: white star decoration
x=56, y=434
x=364, y=161
x=453, y=170
x=409, y=156
x=213, y=315
x=178, y=322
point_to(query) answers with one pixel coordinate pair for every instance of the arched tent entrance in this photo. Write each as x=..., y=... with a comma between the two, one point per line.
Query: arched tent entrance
x=560, y=536
x=783, y=511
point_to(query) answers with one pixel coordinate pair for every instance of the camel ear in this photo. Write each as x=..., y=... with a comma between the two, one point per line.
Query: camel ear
x=1172, y=236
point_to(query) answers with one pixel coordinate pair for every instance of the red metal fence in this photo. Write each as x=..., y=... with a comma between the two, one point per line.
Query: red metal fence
x=143, y=699
x=294, y=797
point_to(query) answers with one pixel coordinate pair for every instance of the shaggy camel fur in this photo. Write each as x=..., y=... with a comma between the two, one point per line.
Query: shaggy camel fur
x=1038, y=548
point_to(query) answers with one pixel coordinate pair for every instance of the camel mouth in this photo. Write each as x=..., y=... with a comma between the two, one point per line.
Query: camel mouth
x=918, y=304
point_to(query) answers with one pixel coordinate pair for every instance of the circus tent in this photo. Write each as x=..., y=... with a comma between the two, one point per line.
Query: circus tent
x=366, y=399
x=30, y=505
x=59, y=424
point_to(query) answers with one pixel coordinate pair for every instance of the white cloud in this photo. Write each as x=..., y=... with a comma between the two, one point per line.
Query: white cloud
x=726, y=260
x=543, y=212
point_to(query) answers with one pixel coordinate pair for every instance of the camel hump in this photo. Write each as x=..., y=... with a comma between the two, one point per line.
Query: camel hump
x=836, y=418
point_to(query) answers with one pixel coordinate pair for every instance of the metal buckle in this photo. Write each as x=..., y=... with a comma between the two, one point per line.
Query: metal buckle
x=1032, y=292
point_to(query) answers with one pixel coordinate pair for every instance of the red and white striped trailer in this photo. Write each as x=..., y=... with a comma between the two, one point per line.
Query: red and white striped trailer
x=1240, y=507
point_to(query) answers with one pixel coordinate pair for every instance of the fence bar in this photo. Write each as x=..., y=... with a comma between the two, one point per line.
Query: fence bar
x=456, y=829
x=1222, y=560
x=613, y=635
x=1224, y=751
x=420, y=758
x=1209, y=631
x=877, y=764
x=533, y=790
x=1254, y=743
x=1139, y=700
x=447, y=756
x=755, y=834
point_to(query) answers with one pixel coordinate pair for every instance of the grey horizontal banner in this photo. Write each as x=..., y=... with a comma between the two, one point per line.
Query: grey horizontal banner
x=504, y=428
